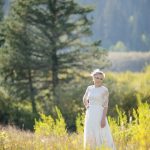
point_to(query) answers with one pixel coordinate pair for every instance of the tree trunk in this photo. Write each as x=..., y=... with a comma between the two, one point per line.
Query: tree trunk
x=31, y=90
x=55, y=80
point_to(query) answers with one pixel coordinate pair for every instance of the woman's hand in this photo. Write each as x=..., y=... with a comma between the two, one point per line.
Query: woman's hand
x=103, y=122
x=87, y=104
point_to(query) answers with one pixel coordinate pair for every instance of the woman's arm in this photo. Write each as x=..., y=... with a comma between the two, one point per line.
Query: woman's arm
x=103, y=121
x=105, y=105
x=85, y=100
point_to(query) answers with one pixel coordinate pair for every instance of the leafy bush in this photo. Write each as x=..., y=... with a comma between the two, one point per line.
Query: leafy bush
x=80, y=122
x=48, y=126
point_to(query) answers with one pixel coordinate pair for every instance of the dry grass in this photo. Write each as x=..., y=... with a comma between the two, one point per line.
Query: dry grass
x=132, y=135
x=128, y=61
x=16, y=139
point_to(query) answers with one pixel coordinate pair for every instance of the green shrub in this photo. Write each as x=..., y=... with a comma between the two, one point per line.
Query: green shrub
x=47, y=126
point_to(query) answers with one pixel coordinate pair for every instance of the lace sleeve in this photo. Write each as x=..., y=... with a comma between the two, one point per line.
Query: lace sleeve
x=106, y=99
x=86, y=94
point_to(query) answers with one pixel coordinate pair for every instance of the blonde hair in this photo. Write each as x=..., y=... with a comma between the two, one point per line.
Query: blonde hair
x=97, y=71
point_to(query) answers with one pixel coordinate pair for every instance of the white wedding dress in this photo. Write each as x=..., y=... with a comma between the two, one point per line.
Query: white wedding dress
x=94, y=135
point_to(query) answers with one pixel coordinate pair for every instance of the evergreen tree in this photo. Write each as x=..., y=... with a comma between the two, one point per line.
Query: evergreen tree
x=1, y=18
x=18, y=69
x=44, y=40
x=64, y=25
x=1, y=9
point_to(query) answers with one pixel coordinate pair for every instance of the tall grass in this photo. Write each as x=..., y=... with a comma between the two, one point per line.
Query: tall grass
x=51, y=134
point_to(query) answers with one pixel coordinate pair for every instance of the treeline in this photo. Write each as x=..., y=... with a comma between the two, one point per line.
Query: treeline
x=44, y=46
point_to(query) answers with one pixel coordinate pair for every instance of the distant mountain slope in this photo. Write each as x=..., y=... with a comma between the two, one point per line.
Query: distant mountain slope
x=6, y=7
x=127, y=21
x=128, y=61
x=115, y=20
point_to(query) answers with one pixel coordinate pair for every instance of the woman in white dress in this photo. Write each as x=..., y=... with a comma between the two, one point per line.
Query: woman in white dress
x=96, y=127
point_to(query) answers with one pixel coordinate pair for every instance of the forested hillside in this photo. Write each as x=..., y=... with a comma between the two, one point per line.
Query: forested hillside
x=126, y=21
x=116, y=21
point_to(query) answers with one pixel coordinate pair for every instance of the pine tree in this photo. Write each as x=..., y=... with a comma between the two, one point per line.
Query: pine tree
x=1, y=18
x=64, y=24
x=18, y=69
x=46, y=38
x=1, y=9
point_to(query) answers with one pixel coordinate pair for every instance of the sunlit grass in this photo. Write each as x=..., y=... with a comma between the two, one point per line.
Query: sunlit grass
x=129, y=132
x=12, y=138
x=130, y=135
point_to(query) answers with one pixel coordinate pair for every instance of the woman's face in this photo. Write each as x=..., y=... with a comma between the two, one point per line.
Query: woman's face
x=98, y=78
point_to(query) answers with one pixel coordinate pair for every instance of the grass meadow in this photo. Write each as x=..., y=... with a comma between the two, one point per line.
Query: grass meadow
x=131, y=131
x=51, y=134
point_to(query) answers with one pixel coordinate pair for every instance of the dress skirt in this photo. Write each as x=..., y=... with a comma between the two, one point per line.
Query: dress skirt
x=94, y=135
